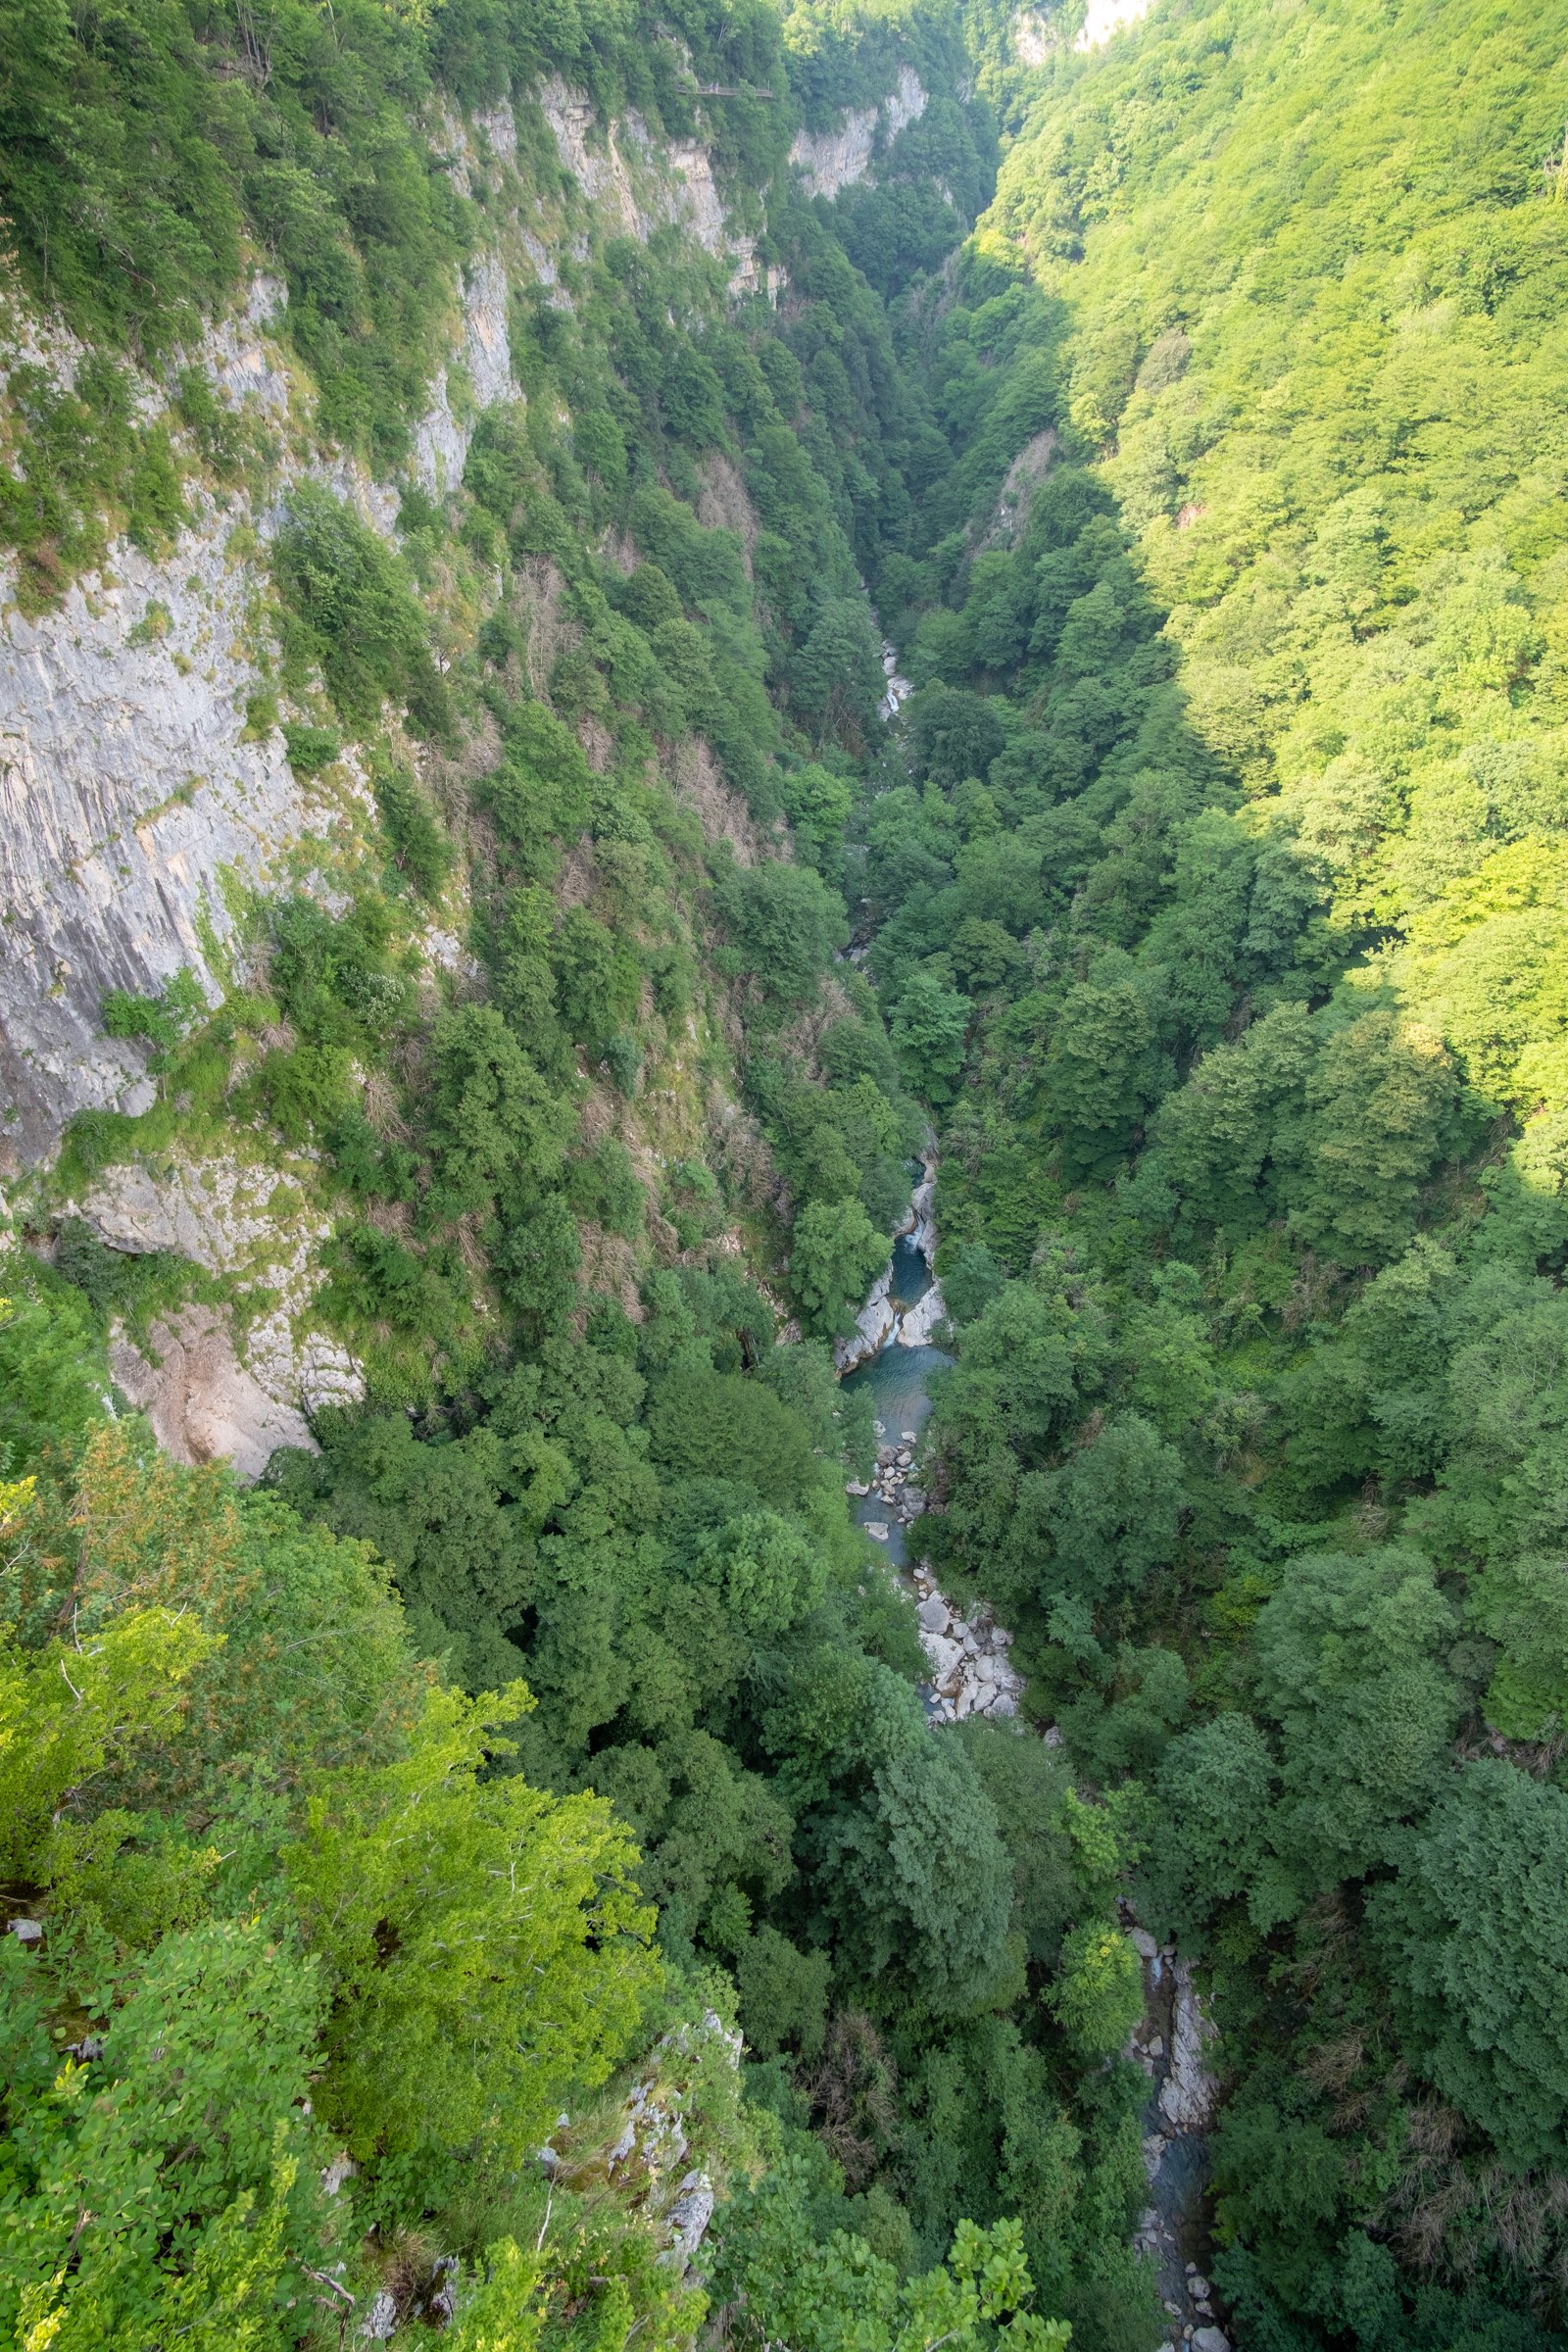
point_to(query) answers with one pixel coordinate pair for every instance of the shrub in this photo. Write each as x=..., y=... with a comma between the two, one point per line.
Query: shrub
x=352, y=612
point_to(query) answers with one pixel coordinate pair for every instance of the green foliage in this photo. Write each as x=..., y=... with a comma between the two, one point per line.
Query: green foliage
x=836, y=2293
x=299, y=1660
x=163, y=1020
x=604, y=1187
x=944, y=1878
x=783, y=925
x=58, y=1729
x=1111, y=1513
x=351, y=614
x=929, y=1023
x=1474, y=1930
x=51, y=1390
x=834, y=1251
x=310, y=748
x=496, y=1126
x=1029, y=1786
x=837, y=674
x=769, y=1575
x=1217, y=1785
x=180, y=2192
x=1219, y=819
x=88, y=465
x=461, y=1926
x=1098, y=1995
x=420, y=845
x=1349, y=1663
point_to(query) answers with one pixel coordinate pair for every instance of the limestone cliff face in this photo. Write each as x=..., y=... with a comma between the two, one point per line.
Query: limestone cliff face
x=831, y=161
x=146, y=794
x=136, y=801
x=127, y=792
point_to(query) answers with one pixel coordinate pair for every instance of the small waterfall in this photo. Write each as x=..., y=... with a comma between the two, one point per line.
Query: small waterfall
x=899, y=688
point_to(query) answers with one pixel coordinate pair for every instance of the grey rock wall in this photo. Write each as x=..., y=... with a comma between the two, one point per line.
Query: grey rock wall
x=127, y=792
x=834, y=160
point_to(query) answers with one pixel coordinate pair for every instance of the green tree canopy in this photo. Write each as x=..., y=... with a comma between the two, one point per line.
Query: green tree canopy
x=785, y=925
x=1475, y=1930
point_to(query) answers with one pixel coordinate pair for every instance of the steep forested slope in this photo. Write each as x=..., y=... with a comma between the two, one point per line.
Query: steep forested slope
x=1227, y=833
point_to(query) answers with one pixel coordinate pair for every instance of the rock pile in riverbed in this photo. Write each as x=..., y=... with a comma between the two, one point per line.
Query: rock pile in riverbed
x=1172, y=2045
x=891, y=1483
x=972, y=1672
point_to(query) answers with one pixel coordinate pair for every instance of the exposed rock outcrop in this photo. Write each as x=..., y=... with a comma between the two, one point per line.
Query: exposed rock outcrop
x=876, y=1323
x=254, y=1227
x=1028, y=470
x=442, y=436
x=919, y=1322
x=1187, y=2094
x=831, y=159
x=640, y=183
x=129, y=789
x=1103, y=18
x=653, y=2143
x=203, y=1404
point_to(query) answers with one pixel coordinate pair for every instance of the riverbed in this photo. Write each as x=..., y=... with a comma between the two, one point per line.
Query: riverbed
x=898, y=1382
x=971, y=1674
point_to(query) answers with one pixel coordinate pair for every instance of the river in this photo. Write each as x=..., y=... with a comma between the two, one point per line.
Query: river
x=891, y=1360
x=897, y=1380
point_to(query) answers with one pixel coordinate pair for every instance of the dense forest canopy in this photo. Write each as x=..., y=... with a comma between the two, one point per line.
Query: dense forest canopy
x=387, y=1840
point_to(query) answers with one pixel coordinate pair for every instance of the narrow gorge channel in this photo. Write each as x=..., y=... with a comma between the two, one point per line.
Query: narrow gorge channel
x=891, y=1358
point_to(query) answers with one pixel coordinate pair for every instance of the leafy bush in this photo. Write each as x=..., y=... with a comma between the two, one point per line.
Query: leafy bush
x=310, y=748
x=419, y=842
x=351, y=612
x=784, y=925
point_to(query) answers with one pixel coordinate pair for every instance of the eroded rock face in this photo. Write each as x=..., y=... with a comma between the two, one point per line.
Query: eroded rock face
x=127, y=790
x=917, y=1322
x=442, y=437
x=687, y=2217
x=832, y=160
x=876, y=1323
x=653, y=2138
x=203, y=1404
x=251, y=1225
x=641, y=182
x=143, y=795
